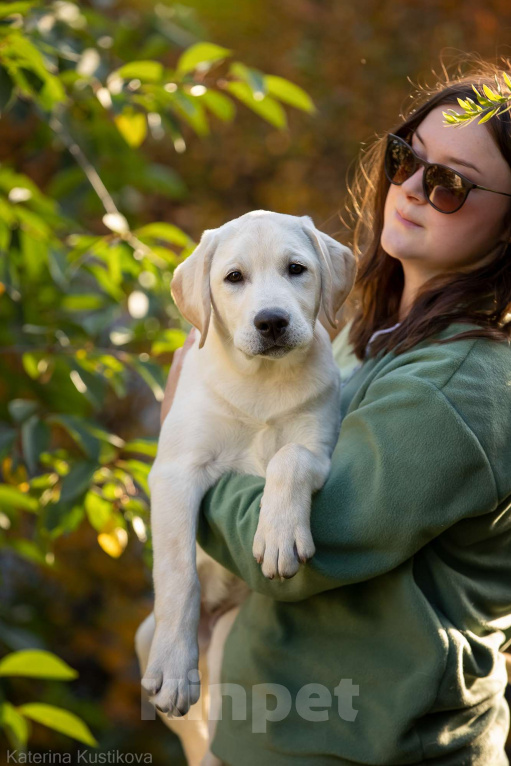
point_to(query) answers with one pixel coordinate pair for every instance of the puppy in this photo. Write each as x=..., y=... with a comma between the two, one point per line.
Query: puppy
x=258, y=393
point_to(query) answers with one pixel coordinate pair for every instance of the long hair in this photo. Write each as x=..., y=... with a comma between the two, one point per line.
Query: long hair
x=481, y=297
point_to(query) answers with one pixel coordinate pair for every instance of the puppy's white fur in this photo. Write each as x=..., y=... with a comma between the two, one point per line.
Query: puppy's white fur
x=247, y=403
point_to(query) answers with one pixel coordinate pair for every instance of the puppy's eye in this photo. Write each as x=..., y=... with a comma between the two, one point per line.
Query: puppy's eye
x=296, y=268
x=234, y=276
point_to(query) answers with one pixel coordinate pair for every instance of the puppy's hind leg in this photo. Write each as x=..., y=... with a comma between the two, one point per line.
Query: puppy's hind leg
x=215, y=658
x=191, y=729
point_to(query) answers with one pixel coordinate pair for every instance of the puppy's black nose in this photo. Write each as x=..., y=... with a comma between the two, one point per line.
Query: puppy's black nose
x=271, y=323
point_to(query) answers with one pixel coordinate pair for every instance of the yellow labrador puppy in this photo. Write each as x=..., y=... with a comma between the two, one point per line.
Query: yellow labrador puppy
x=258, y=394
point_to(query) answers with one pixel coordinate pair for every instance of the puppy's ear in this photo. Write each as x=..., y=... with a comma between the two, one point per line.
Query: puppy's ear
x=338, y=269
x=190, y=284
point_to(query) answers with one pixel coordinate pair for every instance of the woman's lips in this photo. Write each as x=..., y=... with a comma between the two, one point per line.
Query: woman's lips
x=406, y=222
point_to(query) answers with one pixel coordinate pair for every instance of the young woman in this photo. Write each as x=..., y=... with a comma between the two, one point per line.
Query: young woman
x=391, y=633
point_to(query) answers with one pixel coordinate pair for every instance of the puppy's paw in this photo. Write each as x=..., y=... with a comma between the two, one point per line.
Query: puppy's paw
x=172, y=678
x=280, y=545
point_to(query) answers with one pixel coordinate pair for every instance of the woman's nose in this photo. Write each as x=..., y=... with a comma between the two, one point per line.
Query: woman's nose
x=413, y=185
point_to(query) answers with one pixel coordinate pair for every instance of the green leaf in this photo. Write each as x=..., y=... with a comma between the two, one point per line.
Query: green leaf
x=7, y=436
x=136, y=470
x=159, y=179
x=507, y=80
x=22, y=409
x=218, y=104
x=36, y=663
x=29, y=550
x=59, y=720
x=164, y=231
x=77, y=429
x=488, y=116
x=6, y=88
x=253, y=77
x=132, y=126
x=77, y=481
x=82, y=302
x=142, y=447
x=145, y=71
x=153, y=376
x=98, y=511
x=30, y=362
x=168, y=341
x=8, y=9
x=35, y=438
x=203, y=54
x=14, y=725
x=14, y=498
x=267, y=108
x=491, y=95
x=191, y=110
x=289, y=93
x=61, y=518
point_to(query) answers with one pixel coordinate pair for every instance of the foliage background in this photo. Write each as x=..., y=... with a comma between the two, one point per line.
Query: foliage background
x=75, y=565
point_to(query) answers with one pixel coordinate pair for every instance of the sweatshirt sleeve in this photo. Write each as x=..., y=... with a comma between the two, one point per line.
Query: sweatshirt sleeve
x=405, y=468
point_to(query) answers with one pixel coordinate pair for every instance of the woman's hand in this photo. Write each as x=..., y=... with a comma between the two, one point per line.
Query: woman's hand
x=174, y=373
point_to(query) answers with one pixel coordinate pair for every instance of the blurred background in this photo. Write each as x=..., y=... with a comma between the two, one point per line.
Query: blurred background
x=127, y=128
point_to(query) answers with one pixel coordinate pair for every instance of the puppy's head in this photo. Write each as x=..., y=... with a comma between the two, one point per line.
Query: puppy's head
x=266, y=275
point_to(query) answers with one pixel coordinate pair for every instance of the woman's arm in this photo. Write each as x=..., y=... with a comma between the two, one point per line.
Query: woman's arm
x=406, y=467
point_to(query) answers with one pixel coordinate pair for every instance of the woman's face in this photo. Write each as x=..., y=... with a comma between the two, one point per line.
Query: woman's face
x=429, y=242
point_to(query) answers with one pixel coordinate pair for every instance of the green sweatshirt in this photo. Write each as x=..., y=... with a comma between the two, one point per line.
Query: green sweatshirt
x=384, y=648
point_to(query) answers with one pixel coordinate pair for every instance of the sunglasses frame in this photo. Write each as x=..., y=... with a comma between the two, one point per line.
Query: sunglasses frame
x=419, y=162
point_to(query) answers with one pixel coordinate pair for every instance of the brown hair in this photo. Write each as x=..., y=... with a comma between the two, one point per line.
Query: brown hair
x=481, y=297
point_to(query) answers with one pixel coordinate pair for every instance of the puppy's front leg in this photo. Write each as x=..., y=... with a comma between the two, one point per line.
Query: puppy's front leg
x=172, y=676
x=283, y=538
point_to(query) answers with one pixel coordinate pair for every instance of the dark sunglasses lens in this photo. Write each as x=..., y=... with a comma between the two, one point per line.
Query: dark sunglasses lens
x=445, y=189
x=399, y=161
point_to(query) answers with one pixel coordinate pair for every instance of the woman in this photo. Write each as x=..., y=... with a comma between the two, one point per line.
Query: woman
x=384, y=649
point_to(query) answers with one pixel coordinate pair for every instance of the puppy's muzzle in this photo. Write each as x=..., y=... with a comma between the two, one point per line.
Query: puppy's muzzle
x=272, y=325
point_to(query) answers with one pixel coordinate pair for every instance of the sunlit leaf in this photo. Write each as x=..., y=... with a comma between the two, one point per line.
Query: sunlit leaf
x=200, y=54
x=168, y=341
x=145, y=71
x=488, y=116
x=267, y=108
x=218, y=104
x=14, y=725
x=14, y=498
x=8, y=9
x=36, y=663
x=253, y=77
x=133, y=127
x=98, y=510
x=113, y=542
x=142, y=446
x=164, y=231
x=491, y=95
x=289, y=93
x=59, y=720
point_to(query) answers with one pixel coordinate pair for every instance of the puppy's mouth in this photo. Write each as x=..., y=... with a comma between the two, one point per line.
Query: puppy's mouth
x=275, y=352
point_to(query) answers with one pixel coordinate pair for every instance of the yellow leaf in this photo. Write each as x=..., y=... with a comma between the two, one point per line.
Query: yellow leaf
x=132, y=126
x=113, y=542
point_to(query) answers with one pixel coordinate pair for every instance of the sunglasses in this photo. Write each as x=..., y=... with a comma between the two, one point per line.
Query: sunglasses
x=444, y=188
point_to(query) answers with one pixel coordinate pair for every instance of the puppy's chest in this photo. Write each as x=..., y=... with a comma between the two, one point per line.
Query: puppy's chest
x=265, y=442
